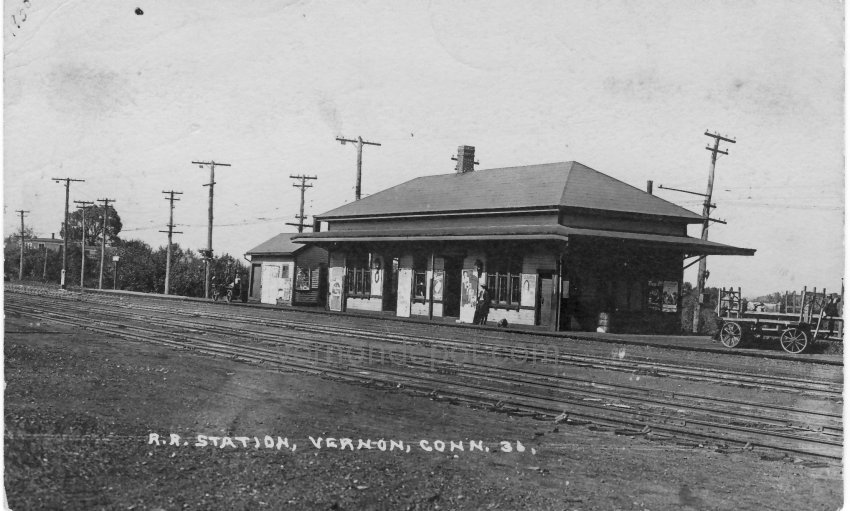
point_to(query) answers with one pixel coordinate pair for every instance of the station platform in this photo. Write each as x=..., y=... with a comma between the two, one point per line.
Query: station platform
x=700, y=343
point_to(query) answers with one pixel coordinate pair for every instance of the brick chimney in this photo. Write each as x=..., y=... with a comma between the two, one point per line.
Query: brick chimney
x=465, y=159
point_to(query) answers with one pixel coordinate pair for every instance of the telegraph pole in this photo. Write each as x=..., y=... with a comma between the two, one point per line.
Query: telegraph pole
x=303, y=187
x=83, y=206
x=103, y=239
x=706, y=212
x=170, y=231
x=360, y=143
x=21, y=269
x=44, y=270
x=208, y=258
x=65, y=224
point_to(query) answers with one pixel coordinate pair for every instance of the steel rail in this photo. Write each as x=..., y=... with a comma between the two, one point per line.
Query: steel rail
x=500, y=371
x=654, y=368
x=228, y=348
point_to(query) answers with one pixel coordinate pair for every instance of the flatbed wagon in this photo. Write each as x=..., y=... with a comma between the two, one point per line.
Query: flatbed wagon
x=795, y=330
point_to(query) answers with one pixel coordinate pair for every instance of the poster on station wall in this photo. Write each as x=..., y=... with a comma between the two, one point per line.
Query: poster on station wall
x=405, y=285
x=671, y=296
x=656, y=298
x=377, y=286
x=528, y=296
x=284, y=292
x=468, y=295
x=335, y=288
x=439, y=278
x=302, y=279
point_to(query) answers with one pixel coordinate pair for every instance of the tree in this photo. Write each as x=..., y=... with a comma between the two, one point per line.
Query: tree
x=137, y=270
x=12, y=253
x=187, y=272
x=94, y=226
x=708, y=316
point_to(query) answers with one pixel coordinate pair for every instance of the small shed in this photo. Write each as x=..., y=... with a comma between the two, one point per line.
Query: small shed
x=287, y=273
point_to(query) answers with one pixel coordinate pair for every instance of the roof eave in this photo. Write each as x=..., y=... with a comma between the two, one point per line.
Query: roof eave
x=691, y=218
x=448, y=212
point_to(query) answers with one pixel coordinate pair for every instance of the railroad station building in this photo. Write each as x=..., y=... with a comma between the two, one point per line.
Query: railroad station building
x=287, y=273
x=559, y=245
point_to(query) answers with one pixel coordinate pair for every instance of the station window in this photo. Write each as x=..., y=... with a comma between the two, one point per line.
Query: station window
x=359, y=283
x=503, y=281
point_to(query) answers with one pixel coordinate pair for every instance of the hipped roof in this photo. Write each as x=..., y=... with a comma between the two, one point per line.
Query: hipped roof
x=279, y=245
x=565, y=184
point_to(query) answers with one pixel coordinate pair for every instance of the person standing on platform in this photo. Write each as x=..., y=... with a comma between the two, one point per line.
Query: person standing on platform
x=482, y=309
x=830, y=312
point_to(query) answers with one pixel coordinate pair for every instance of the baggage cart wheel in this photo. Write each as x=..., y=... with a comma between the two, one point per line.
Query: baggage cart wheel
x=731, y=334
x=794, y=340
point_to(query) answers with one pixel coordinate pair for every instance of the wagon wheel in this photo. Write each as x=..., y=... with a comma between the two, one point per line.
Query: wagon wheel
x=731, y=334
x=794, y=340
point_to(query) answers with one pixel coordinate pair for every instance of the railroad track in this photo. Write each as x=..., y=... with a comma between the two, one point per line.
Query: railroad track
x=809, y=433
x=561, y=355
x=342, y=350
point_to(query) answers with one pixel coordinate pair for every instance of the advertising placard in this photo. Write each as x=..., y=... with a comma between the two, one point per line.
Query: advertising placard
x=335, y=290
x=438, y=284
x=528, y=296
x=405, y=287
x=468, y=295
x=671, y=296
x=655, y=298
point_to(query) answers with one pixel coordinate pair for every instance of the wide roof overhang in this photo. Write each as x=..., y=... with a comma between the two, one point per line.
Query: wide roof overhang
x=685, y=244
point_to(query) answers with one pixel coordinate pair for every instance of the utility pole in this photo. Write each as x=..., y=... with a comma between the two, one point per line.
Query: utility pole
x=706, y=212
x=83, y=206
x=170, y=231
x=103, y=239
x=208, y=257
x=21, y=269
x=360, y=143
x=303, y=187
x=65, y=224
x=44, y=270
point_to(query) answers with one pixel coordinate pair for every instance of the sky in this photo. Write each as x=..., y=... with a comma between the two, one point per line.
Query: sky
x=94, y=91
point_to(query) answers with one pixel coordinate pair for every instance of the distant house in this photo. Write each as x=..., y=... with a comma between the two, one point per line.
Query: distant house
x=558, y=245
x=287, y=273
x=54, y=244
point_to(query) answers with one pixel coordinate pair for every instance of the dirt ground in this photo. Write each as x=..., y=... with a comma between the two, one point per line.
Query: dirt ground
x=80, y=409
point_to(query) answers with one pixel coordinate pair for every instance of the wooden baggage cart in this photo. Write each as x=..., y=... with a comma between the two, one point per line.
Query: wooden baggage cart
x=796, y=328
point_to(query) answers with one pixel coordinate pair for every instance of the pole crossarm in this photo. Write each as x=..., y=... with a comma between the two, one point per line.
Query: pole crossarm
x=683, y=191
x=356, y=140
x=718, y=136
